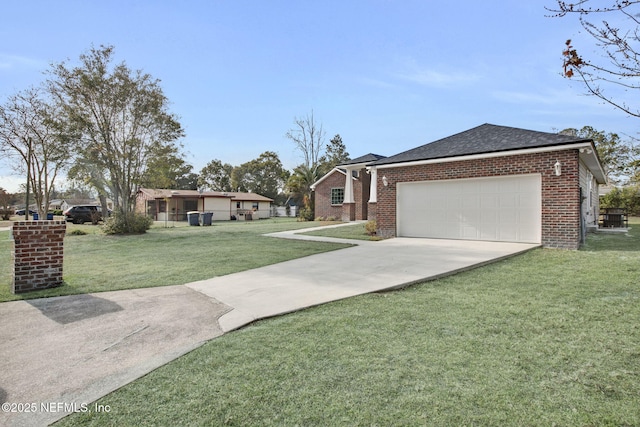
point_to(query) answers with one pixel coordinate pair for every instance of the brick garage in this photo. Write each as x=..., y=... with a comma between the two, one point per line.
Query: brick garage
x=560, y=194
x=493, y=183
x=496, y=183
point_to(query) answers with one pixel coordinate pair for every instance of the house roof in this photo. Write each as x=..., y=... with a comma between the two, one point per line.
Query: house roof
x=327, y=175
x=489, y=140
x=366, y=159
x=361, y=162
x=253, y=197
x=486, y=138
x=168, y=193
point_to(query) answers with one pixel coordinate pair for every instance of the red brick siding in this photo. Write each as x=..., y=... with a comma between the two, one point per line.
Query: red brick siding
x=560, y=194
x=37, y=255
x=323, y=207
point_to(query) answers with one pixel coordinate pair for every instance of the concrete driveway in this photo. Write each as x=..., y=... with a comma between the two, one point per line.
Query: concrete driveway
x=58, y=354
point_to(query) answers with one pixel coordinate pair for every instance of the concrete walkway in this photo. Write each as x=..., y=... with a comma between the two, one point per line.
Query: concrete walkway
x=70, y=351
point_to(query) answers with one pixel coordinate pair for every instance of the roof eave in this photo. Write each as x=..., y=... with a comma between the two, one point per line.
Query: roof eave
x=587, y=154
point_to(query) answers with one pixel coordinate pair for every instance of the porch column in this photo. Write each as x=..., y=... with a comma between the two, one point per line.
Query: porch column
x=348, y=188
x=349, y=202
x=373, y=192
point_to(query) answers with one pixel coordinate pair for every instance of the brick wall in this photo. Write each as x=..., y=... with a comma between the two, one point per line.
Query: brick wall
x=322, y=196
x=37, y=255
x=358, y=211
x=560, y=194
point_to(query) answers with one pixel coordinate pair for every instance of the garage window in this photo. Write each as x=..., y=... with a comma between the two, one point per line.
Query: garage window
x=337, y=196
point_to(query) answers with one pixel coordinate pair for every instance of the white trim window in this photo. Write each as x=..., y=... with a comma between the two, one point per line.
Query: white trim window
x=337, y=196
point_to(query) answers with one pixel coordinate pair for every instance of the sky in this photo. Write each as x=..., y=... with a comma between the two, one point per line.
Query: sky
x=387, y=75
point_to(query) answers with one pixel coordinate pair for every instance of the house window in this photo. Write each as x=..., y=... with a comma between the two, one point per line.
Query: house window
x=255, y=206
x=190, y=205
x=238, y=205
x=337, y=196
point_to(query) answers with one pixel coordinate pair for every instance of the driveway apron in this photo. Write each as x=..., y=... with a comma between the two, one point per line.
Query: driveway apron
x=330, y=276
x=58, y=355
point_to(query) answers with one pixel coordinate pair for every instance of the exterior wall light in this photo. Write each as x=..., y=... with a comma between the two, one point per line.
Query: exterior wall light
x=385, y=181
x=557, y=168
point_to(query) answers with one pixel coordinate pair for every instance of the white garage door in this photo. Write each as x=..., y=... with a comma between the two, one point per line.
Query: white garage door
x=504, y=209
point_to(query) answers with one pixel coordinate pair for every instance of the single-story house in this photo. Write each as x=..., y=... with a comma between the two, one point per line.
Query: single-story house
x=173, y=205
x=490, y=182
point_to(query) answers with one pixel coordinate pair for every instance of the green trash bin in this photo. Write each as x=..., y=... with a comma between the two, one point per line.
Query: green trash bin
x=193, y=217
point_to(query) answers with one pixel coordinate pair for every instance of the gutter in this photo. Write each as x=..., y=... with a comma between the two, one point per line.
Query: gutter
x=587, y=152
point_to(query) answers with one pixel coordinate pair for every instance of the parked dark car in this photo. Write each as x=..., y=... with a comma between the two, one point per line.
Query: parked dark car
x=20, y=212
x=83, y=213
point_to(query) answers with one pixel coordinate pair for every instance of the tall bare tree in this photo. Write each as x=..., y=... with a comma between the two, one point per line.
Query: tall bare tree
x=30, y=133
x=309, y=138
x=618, y=39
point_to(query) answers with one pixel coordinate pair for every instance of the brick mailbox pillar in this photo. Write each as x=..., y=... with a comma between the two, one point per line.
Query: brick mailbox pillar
x=37, y=255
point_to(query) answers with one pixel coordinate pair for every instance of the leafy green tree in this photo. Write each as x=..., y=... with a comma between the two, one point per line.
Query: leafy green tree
x=335, y=154
x=299, y=188
x=264, y=175
x=167, y=168
x=6, y=200
x=216, y=176
x=618, y=157
x=30, y=133
x=121, y=118
x=627, y=198
x=187, y=181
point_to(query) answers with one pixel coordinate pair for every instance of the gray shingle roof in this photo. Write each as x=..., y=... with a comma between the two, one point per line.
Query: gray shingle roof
x=367, y=158
x=486, y=138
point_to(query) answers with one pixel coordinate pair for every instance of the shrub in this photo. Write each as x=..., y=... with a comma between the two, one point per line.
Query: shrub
x=306, y=214
x=320, y=218
x=627, y=198
x=5, y=214
x=371, y=227
x=331, y=218
x=127, y=223
x=77, y=232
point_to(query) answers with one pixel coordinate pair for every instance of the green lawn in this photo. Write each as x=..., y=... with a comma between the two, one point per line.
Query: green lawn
x=355, y=231
x=164, y=256
x=550, y=337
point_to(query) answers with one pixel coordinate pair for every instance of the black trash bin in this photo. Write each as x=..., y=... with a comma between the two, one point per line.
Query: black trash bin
x=193, y=217
x=205, y=218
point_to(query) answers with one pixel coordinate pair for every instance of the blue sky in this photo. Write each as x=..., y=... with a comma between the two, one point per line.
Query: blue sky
x=386, y=75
